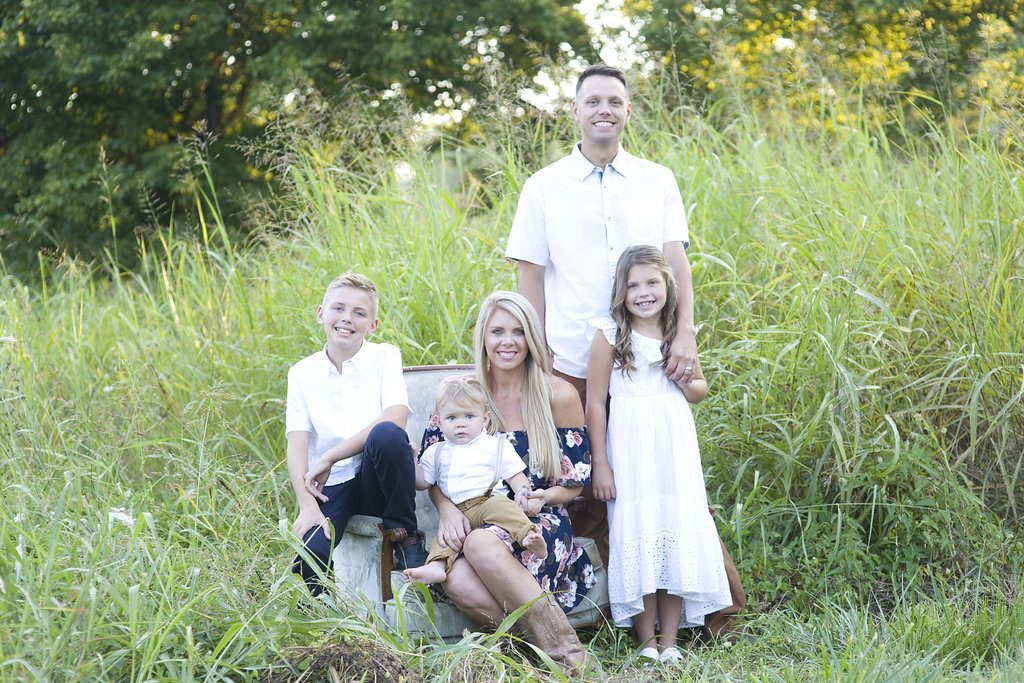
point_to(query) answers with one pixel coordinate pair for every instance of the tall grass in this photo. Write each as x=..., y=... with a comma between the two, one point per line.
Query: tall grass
x=860, y=327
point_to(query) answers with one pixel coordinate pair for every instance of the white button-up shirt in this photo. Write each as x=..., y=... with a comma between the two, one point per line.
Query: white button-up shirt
x=332, y=405
x=464, y=471
x=576, y=220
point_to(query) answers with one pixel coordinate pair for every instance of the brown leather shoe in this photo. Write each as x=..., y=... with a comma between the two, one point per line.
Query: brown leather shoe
x=547, y=628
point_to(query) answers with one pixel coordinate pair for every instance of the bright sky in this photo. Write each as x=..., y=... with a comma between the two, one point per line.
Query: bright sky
x=620, y=46
x=606, y=19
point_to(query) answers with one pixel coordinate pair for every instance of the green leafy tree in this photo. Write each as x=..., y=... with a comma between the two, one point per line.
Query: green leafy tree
x=96, y=96
x=955, y=51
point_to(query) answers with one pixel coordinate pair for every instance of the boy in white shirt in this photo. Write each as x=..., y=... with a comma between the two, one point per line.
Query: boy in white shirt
x=348, y=452
x=468, y=467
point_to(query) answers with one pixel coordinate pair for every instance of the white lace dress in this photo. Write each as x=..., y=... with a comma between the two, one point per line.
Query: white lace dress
x=662, y=535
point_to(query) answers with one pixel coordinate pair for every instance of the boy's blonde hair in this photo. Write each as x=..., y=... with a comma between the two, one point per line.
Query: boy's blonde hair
x=460, y=391
x=355, y=280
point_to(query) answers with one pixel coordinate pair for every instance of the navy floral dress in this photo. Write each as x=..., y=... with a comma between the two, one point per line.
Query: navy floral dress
x=566, y=572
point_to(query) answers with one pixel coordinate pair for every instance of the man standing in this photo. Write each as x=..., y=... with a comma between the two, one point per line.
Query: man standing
x=575, y=217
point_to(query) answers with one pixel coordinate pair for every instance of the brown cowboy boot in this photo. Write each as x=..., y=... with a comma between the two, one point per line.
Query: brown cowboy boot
x=547, y=628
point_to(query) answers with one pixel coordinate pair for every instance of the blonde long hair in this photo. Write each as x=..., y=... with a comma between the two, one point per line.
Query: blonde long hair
x=545, y=455
x=622, y=351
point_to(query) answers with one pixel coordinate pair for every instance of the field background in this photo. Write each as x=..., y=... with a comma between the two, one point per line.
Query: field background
x=859, y=289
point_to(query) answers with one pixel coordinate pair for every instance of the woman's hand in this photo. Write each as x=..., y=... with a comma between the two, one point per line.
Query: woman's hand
x=602, y=483
x=534, y=501
x=309, y=518
x=452, y=526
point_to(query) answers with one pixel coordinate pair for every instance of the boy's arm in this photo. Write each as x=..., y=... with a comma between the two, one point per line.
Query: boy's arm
x=427, y=462
x=391, y=393
x=519, y=485
x=599, y=370
x=354, y=444
x=683, y=350
x=421, y=481
x=309, y=509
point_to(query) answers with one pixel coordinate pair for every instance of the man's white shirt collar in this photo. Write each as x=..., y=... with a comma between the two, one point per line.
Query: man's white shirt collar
x=621, y=164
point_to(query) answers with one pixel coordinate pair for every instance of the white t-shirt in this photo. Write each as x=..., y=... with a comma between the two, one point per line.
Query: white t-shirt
x=576, y=220
x=333, y=406
x=464, y=471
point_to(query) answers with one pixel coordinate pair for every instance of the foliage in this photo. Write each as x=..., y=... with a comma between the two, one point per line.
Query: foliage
x=860, y=328
x=816, y=52
x=99, y=96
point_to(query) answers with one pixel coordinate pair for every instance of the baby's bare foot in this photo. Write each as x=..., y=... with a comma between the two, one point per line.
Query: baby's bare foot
x=534, y=542
x=432, y=572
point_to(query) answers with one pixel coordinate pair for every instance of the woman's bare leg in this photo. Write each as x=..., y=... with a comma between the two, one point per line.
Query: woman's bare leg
x=544, y=623
x=488, y=581
x=504, y=576
x=471, y=596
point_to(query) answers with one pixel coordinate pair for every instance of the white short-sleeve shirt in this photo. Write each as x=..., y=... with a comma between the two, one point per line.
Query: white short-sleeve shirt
x=464, y=471
x=332, y=405
x=576, y=220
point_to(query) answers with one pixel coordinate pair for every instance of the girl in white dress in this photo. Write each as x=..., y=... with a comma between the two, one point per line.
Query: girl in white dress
x=665, y=562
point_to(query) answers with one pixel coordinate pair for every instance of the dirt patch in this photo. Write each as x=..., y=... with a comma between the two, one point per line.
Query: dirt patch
x=348, y=660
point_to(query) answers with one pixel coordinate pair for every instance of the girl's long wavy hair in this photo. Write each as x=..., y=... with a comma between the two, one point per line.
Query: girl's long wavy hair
x=622, y=351
x=545, y=455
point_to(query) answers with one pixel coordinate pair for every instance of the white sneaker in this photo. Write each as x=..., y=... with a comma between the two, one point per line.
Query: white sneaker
x=648, y=655
x=671, y=656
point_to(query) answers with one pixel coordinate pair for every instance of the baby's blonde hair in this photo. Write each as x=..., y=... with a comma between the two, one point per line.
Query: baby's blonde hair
x=460, y=390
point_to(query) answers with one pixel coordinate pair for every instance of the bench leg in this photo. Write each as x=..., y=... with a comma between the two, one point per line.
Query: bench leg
x=387, y=559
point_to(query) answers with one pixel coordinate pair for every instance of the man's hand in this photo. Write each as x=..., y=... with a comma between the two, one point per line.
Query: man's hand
x=682, y=357
x=309, y=518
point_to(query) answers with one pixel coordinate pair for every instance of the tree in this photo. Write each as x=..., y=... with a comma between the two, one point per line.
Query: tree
x=98, y=95
x=952, y=51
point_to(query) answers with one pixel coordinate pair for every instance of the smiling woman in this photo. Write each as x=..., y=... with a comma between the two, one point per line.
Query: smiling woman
x=541, y=418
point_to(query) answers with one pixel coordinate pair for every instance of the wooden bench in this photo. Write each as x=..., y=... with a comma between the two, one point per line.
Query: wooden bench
x=363, y=558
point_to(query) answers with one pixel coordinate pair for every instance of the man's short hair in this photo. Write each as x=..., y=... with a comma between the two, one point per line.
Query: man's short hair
x=356, y=281
x=601, y=70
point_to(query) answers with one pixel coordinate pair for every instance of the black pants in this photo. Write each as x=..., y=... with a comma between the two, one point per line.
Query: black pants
x=385, y=487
